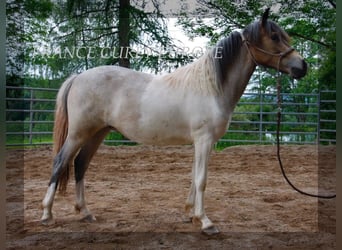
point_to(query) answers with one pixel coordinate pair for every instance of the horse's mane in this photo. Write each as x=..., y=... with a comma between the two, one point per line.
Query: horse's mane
x=230, y=48
x=208, y=74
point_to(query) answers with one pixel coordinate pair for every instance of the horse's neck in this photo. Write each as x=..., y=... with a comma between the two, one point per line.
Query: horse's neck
x=237, y=78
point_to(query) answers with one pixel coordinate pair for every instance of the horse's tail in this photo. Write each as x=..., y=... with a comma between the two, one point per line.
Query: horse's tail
x=60, y=130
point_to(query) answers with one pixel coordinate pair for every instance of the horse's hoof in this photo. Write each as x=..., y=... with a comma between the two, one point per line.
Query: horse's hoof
x=47, y=221
x=212, y=230
x=89, y=218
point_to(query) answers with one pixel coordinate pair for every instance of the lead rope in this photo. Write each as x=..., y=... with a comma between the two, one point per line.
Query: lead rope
x=281, y=55
x=278, y=144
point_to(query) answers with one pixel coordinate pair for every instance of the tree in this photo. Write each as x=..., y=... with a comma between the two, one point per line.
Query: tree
x=92, y=33
x=23, y=26
x=124, y=31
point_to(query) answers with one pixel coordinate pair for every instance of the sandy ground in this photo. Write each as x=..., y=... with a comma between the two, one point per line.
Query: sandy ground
x=138, y=193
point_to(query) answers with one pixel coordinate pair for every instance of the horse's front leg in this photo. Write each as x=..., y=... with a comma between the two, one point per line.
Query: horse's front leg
x=202, y=151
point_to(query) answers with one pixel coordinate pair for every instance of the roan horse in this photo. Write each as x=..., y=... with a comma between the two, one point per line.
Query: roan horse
x=193, y=104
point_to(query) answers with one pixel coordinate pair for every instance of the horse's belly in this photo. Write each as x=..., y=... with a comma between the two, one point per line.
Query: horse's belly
x=154, y=127
x=163, y=130
x=157, y=139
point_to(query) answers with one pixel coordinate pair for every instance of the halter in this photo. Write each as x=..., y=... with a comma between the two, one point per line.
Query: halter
x=281, y=55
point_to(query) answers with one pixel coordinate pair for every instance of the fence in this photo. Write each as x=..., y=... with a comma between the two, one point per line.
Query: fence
x=306, y=118
x=327, y=117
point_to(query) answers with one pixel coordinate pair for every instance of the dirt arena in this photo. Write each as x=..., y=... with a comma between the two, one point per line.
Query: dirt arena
x=138, y=193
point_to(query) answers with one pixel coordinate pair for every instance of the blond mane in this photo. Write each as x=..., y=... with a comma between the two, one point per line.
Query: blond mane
x=199, y=76
x=208, y=74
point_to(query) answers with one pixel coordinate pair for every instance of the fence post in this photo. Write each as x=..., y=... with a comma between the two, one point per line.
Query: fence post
x=31, y=117
x=260, y=115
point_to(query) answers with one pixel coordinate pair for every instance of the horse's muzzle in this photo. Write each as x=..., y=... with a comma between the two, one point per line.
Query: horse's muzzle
x=297, y=72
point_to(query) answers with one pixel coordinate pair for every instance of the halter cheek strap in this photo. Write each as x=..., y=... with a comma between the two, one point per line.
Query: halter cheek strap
x=245, y=41
x=280, y=55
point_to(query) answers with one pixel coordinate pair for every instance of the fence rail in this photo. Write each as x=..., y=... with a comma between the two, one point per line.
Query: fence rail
x=306, y=118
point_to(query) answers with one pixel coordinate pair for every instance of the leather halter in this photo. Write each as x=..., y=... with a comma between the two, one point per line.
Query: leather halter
x=280, y=55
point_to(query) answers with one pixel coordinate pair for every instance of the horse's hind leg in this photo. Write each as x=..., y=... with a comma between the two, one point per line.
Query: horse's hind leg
x=60, y=164
x=81, y=164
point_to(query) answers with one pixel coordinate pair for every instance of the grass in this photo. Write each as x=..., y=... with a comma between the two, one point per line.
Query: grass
x=14, y=140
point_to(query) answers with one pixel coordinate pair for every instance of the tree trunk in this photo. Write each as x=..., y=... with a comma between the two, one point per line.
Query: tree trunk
x=124, y=30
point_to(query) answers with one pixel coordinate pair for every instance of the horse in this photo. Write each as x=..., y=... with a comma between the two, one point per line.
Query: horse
x=191, y=105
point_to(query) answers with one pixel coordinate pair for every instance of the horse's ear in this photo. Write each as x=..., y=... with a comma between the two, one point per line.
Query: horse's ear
x=265, y=17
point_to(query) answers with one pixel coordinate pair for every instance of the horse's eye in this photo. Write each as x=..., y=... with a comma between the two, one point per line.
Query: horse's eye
x=275, y=37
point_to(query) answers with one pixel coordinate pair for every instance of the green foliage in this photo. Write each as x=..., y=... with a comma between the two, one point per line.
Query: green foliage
x=115, y=139
x=25, y=25
x=327, y=72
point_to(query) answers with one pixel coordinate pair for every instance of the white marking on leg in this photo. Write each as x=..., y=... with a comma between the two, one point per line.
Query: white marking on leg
x=47, y=203
x=206, y=222
x=81, y=204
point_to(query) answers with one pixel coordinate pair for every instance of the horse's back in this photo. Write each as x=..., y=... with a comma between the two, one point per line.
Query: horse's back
x=113, y=75
x=107, y=82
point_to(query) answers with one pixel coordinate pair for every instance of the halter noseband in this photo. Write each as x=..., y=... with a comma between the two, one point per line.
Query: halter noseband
x=280, y=55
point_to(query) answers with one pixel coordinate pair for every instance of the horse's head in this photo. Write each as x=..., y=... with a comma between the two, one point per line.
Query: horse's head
x=269, y=46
